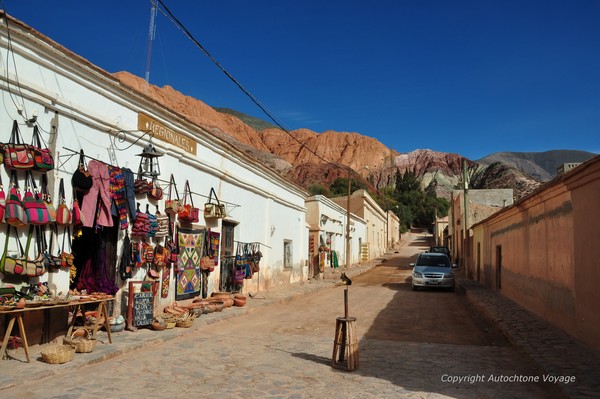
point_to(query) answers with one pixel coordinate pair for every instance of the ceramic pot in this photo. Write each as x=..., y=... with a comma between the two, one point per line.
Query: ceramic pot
x=228, y=302
x=239, y=302
x=221, y=295
x=218, y=305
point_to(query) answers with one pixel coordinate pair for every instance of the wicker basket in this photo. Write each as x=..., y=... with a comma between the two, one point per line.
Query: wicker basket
x=85, y=344
x=184, y=323
x=58, y=354
x=170, y=324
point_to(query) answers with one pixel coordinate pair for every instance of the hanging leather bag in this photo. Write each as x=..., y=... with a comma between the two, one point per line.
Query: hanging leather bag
x=20, y=265
x=215, y=209
x=15, y=213
x=53, y=261
x=141, y=186
x=35, y=207
x=155, y=192
x=66, y=256
x=63, y=213
x=76, y=216
x=173, y=205
x=17, y=154
x=2, y=201
x=48, y=198
x=42, y=156
x=82, y=180
x=189, y=214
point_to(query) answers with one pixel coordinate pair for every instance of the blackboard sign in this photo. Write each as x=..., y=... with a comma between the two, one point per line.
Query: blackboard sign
x=143, y=308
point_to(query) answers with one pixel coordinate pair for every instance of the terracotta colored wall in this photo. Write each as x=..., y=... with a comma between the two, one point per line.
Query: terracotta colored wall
x=547, y=242
x=586, y=214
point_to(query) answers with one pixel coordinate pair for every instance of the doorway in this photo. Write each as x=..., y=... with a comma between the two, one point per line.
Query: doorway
x=478, y=260
x=498, y=267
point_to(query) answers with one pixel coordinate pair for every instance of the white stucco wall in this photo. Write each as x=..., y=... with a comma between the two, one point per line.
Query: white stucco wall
x=91, y=106
x=330, y=220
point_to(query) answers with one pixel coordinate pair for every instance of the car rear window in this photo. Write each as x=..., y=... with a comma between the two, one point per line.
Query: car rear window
x=425, y=260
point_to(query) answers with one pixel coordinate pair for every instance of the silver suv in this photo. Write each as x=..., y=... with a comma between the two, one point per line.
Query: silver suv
x=432, y=270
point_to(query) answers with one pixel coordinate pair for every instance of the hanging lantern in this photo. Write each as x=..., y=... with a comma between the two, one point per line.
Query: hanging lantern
x=149, y=163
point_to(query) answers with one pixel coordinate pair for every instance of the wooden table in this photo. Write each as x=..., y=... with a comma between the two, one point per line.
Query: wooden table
x=16, y=315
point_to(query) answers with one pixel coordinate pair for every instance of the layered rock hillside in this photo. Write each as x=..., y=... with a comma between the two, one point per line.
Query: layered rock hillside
x=292, y=154
x=500, y=175
x=539, y=165
x=287, y=153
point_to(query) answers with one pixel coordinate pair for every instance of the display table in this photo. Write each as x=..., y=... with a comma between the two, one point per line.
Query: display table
x=16, y=315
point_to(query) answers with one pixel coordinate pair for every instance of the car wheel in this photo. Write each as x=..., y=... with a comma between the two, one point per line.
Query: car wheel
x=415, y=288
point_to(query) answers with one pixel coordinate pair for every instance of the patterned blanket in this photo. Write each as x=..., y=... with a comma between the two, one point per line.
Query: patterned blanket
x=191, y=249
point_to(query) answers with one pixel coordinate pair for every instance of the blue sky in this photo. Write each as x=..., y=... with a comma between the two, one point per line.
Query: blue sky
x=471, y=77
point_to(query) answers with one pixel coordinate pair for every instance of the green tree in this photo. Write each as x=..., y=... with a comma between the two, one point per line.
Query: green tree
x=339, y=187
x=318, y=189
x=417, y=207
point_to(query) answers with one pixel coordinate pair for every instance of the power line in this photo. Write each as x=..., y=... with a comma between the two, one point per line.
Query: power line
x=165, y=11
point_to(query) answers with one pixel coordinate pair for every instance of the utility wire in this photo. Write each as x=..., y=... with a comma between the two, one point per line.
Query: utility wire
x=11, y=54
x=165, y=11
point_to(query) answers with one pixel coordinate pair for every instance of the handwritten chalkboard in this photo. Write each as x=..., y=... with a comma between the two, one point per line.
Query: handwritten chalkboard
x=143, y=308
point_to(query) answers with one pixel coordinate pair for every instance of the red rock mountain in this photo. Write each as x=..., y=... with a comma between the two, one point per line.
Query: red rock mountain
x=293, y=154
x=338, y=148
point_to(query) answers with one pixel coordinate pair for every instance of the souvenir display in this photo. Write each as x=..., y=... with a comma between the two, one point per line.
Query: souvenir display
x=189, y=214
x=155, y=192
x=21, y=265
x=14, y=213
x=63, y=213
x=82, y=180
x=191, y=247
x=2, y=201
x=34, y=204
x=214, y=209
x=48, y=198
x=42, y=156
x=17, y=154
x=173, y=205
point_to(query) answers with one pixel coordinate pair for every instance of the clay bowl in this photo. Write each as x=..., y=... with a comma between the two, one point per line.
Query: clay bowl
x=217, y=305
x=239, y=302
x=221, y=295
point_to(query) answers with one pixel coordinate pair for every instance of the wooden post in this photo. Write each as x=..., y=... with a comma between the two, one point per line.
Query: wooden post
x=346, y=302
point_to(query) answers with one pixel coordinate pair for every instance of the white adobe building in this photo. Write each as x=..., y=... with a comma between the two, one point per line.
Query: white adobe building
x=81, y=106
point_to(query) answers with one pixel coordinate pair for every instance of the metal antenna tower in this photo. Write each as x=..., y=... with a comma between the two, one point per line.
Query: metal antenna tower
x=151, y=34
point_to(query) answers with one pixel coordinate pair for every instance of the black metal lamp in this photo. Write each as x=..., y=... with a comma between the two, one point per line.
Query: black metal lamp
x=149, y=166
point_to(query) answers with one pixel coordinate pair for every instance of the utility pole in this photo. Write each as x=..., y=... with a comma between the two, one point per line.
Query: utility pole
x=151, y=34
x=348, y=222
x=465, y=217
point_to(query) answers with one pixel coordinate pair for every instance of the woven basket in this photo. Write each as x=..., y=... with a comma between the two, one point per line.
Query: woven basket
x=184, y=323
x=58, y=354
x=85, y=344
x=170, y=324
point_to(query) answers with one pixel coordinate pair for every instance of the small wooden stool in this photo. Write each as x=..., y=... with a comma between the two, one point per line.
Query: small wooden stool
x=345, y=345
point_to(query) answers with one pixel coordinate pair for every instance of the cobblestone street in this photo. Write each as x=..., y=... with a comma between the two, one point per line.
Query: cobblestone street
x=281, y=347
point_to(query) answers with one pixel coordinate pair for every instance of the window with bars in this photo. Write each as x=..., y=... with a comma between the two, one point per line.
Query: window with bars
x=287, y=254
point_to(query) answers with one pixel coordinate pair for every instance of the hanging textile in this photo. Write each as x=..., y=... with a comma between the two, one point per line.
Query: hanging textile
x=189, y=277
x=119, y=195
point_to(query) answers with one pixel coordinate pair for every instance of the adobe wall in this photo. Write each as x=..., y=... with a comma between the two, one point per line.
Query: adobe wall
x=536, y=247
x=585, y=196
x=548, y=262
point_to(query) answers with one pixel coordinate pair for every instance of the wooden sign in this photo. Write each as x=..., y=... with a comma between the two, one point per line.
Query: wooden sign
x=143, y=308
x=161, y=132
x=140, y=306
